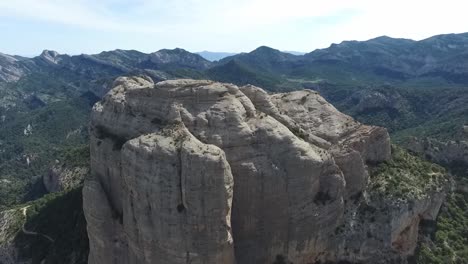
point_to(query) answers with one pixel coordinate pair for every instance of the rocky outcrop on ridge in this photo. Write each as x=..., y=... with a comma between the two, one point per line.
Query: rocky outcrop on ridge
x=50, y=56
x=193, y=171
x=176, y=58
x=439, y=151
x=11, y=68
x=60, y=178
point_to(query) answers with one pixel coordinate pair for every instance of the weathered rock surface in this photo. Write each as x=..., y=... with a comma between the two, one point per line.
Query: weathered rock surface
x=439, y=151
x=60, y=178
x=9, y=226
x=190, y=171
x=50, y=56
x=179, y=57
x=10, y=68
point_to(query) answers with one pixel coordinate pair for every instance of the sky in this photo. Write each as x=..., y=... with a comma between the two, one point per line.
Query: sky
x=92, y=26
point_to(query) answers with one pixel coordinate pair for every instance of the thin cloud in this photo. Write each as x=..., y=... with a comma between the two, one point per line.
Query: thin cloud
x=74, y=13
x=159, y=16
x=232, y=25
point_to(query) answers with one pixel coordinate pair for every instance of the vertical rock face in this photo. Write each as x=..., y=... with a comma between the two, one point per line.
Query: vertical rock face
x=185, y=193
x=192, y=171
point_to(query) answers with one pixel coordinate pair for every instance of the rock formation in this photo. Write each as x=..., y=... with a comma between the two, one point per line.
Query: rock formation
x=8, y=228
x=61, y=177
x=10, y=68
x=189, y=171
x=440, y=151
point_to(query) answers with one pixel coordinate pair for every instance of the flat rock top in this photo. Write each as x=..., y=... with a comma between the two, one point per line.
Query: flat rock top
x=303, y=112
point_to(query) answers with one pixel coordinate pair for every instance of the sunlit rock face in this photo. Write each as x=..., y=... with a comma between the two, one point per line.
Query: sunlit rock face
x=194, y=171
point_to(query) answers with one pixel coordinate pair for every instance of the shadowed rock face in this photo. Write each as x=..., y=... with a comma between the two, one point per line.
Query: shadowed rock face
x=190, y=171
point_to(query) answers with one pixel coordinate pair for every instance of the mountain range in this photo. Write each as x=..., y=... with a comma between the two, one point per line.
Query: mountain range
x=401, y=72
x=434, y=61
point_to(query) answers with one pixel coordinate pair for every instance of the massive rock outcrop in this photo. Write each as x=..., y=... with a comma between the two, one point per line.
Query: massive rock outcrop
x=190, y=171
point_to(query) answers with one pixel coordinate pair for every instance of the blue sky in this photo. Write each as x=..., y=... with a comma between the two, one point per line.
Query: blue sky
x=91, y=26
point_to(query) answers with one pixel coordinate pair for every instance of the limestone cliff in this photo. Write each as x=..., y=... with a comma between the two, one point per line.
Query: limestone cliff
x=440, y=151
x=190, y=171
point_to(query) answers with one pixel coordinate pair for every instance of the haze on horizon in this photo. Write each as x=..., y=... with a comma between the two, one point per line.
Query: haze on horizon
x=87, y=26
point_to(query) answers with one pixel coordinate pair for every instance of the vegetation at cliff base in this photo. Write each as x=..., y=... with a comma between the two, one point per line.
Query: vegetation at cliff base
x=406, y=176
x=61, y=217
x=57, y=130
x=450, y=243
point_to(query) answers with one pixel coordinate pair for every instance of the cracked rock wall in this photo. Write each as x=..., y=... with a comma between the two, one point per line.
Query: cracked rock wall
x=193, y=171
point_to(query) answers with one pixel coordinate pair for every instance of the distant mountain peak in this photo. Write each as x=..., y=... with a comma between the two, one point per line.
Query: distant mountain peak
x=50, y=53
x=266, y=53
x=389, y=40
x=383, y=37
x=174, y=51
x=263, y=49
x=121, y=51
x=177, y=53
x=180, y=58
x=50, y=56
